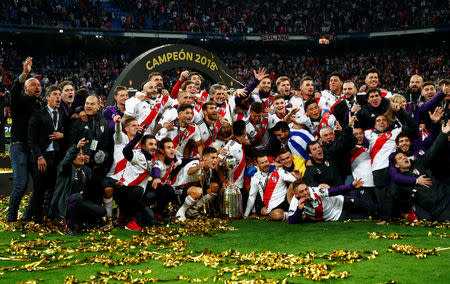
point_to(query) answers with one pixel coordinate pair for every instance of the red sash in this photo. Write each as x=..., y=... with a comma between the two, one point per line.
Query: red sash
x=164, y=178
x=151, y=116
x=190, y=130
x=379, y=144
x=139, y=179
x=216, y=130
x=355, y=153
x=268, y=191
x=239, y=168
x=318, y=211
x=260, y=134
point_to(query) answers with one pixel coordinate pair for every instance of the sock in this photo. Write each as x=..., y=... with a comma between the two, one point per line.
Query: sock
x=187, y=203
x=108, y=204
x=285, y=216
x=207, y=197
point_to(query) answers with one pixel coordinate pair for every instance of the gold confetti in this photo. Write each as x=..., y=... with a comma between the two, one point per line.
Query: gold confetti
x=412, y=249
x=378, y=235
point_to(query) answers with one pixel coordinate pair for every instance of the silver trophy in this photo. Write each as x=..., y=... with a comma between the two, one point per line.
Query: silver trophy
x=231, y=205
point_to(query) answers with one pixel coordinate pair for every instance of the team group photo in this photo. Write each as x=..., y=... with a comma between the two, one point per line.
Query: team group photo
x=224, y=141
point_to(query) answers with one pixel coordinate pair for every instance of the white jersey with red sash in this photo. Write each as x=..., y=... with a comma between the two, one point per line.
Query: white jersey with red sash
x=236, y=150
x=209, y=133
x=147, y=110
x=258, y=134
x=183, y=179
x=297, y=102
x=166, y=169
x=329, y=99
x=180, y=136
x=320, y=207
x=384, y=93
x=274, y=118
x=202, y=96
x=326, y=119
x=271, y=187
x=381, y=146
x=361, y=165
x=224, y=111
x=119, y=162
x=137, y=171
x=171, y=114
x=268, y=102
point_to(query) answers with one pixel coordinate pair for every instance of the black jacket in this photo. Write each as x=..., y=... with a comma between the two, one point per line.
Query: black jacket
x=325, y=172
x=22, y=106
x=339, y=150
x=340, y=111
x=40, y=127
x=433, y=203
x=93, y=129
x=66, y=183
x=367, y=115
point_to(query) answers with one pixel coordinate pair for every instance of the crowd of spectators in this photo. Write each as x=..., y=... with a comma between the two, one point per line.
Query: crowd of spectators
x=98, y=72
x=230, y=17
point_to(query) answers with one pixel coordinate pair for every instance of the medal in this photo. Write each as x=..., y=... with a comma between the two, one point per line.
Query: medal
x=178, y=148
x=215, y=144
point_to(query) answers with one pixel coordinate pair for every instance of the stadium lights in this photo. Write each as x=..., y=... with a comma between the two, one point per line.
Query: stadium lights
x=61, y=31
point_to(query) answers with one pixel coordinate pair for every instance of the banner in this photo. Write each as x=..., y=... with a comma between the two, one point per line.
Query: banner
x=174, y=56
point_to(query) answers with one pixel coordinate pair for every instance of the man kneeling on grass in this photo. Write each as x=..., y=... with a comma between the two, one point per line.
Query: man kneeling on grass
x=327, y=204
x=195, y=179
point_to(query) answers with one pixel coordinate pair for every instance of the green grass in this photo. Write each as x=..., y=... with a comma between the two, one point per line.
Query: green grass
x=260, y=236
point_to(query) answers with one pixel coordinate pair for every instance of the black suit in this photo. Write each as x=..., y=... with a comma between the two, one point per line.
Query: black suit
x=40, y=126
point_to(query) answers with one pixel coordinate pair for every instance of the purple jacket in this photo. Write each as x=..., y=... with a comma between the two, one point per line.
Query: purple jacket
x=109, y=113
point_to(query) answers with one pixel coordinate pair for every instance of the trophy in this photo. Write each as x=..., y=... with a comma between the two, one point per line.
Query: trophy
x=231, y=201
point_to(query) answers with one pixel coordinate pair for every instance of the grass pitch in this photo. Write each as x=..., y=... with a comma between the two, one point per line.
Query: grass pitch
x=250, y=236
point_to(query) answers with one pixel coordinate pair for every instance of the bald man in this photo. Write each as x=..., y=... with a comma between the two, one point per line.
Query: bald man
x=413, y=92
x=23, y=104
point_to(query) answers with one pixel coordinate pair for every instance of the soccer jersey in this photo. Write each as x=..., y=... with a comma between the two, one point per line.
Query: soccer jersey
x=137, y=171
x=274, y=118
x=270, y=186
x=184, y=180
x=297, y=102
x=236, y=151
x=180, y=136
x=163, y=171
x=361, y=165
x=320, y=207
x=381, y=146
x=171, y=114
x=258, y=134
x=326, y=119
x=224, y=111
x=208, y=133
x=298, y=139
x=328, y=99
x=147, y=111
x=119, y=161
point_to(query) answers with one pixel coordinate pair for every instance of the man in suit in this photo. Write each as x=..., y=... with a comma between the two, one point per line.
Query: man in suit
x=348, y=103
x=45, y=138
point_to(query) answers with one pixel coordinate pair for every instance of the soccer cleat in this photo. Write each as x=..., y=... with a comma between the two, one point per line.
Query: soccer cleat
x=411, y=216
x=180, y=215
x=133, y=226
